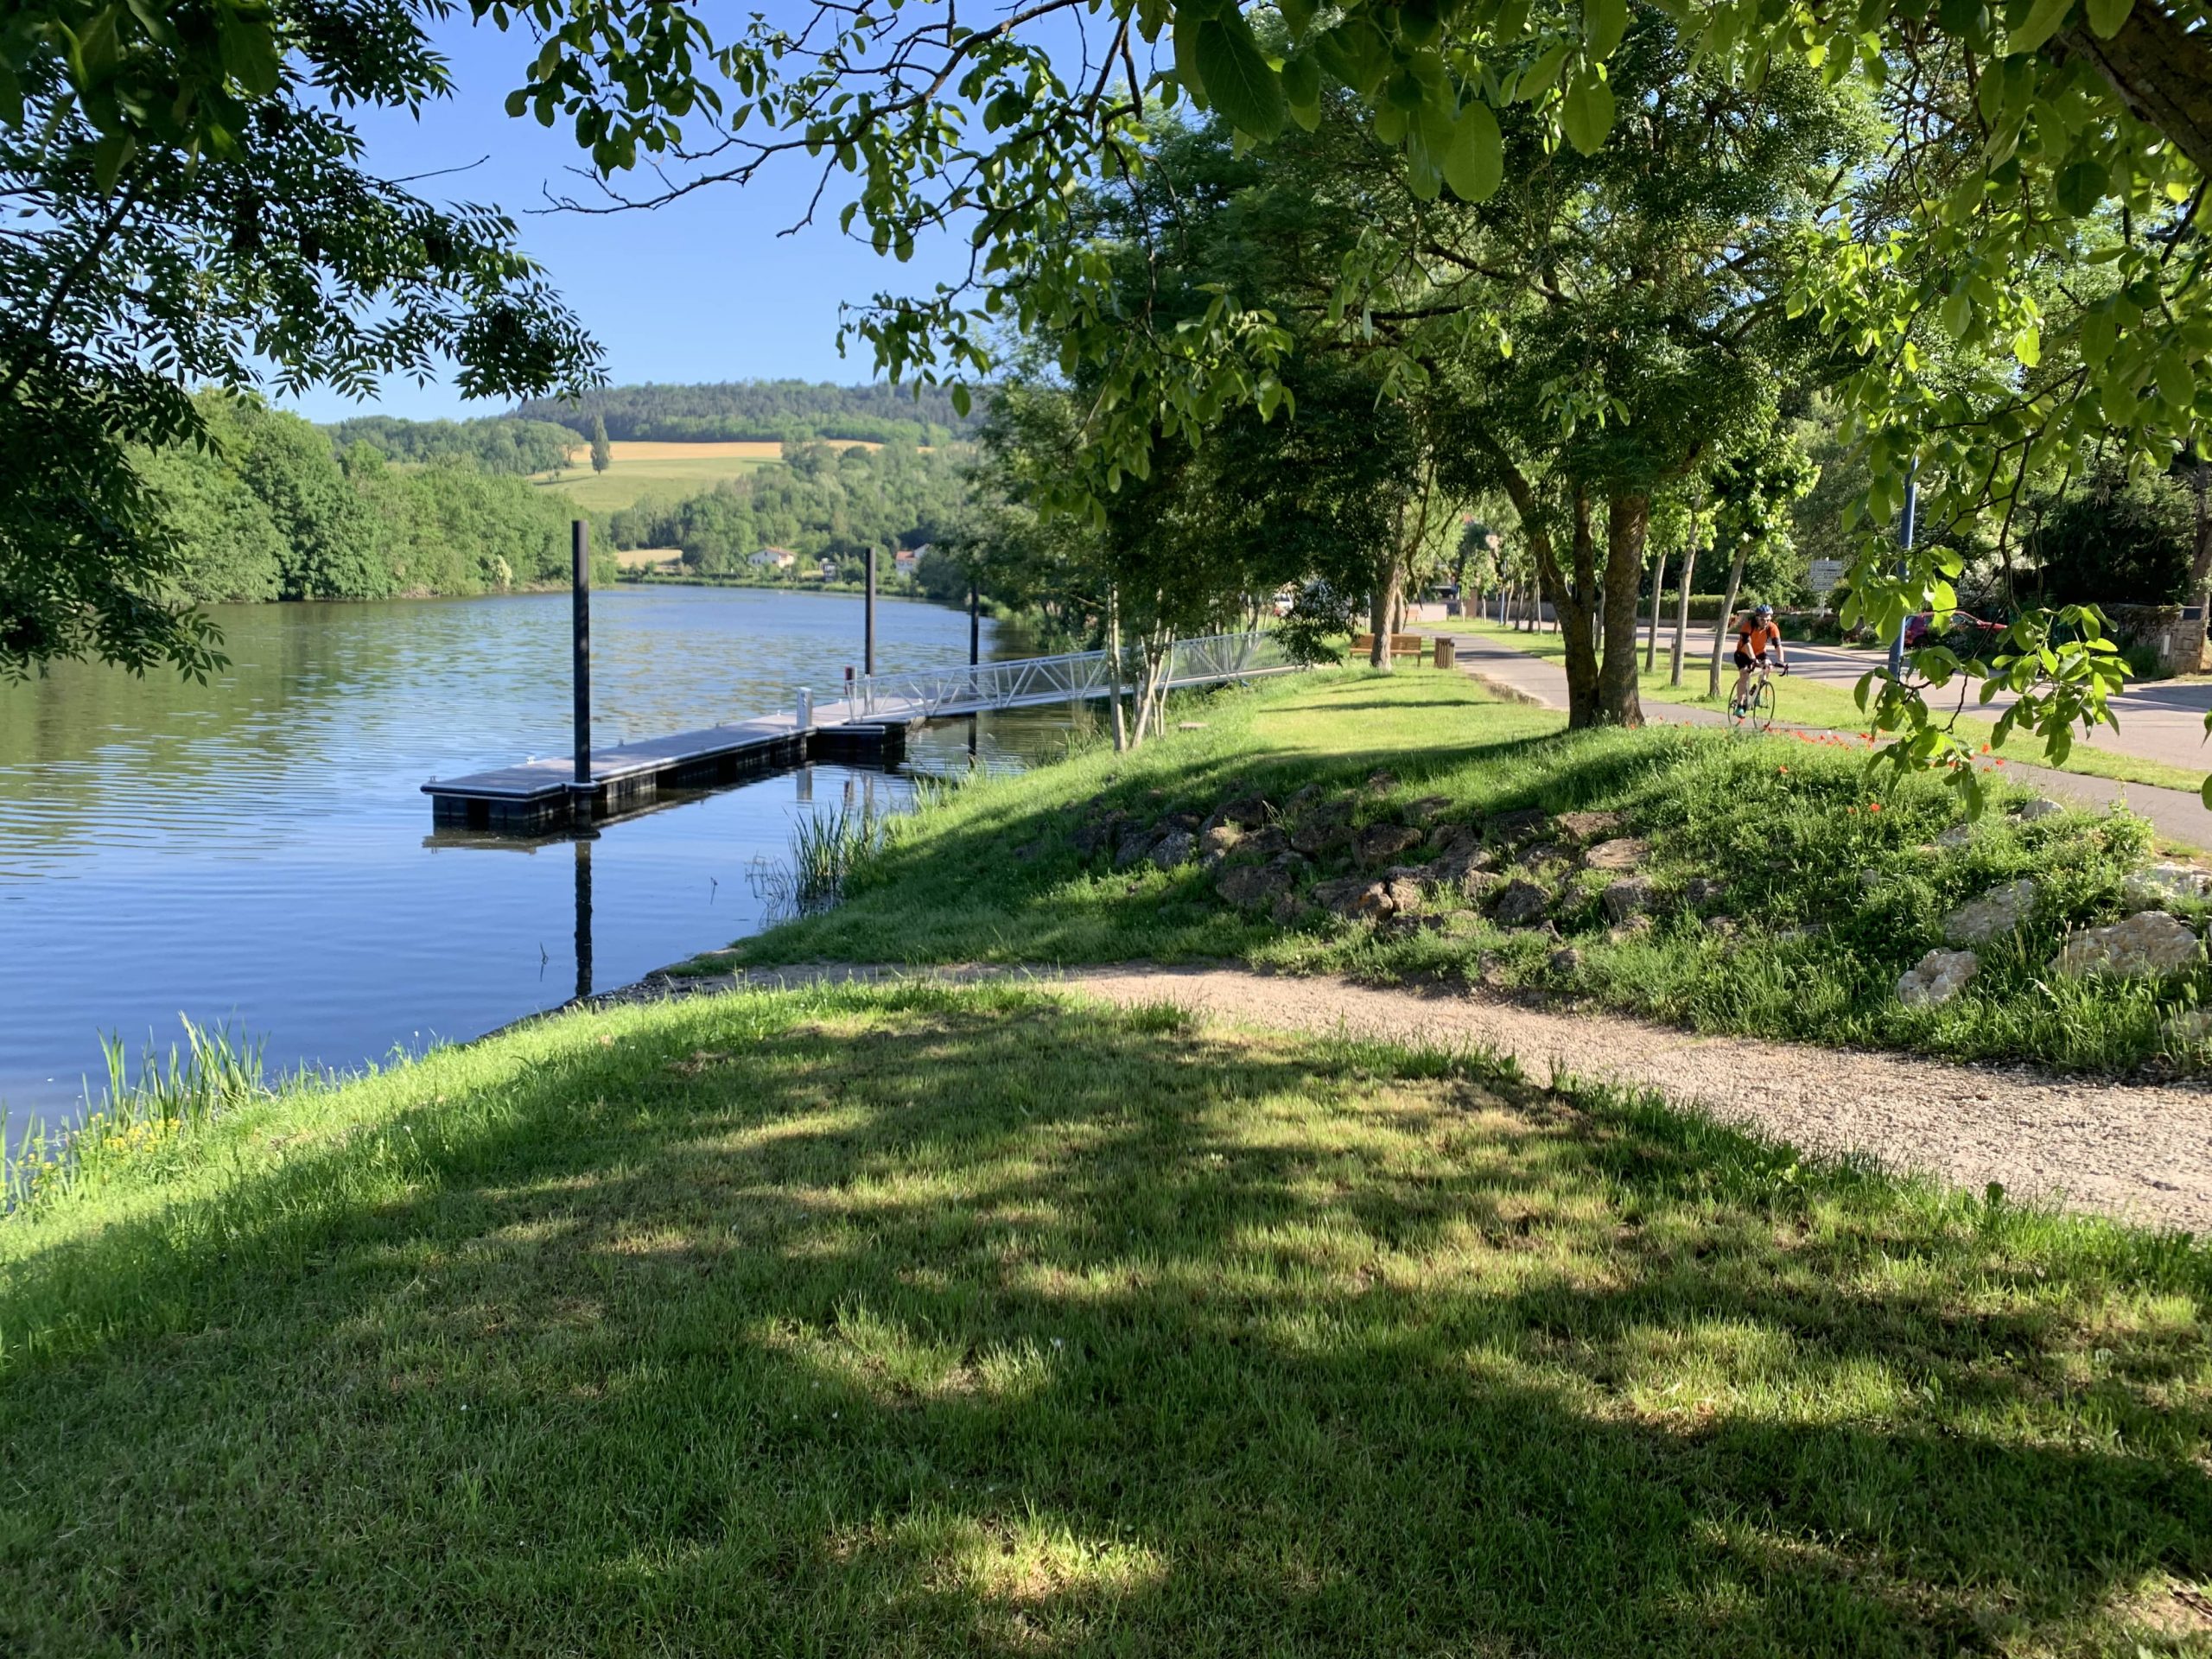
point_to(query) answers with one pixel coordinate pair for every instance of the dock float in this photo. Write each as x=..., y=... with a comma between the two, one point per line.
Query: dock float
x=538, y=795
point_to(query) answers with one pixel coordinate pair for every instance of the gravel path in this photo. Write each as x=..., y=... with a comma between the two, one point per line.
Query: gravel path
x=2140, y=1151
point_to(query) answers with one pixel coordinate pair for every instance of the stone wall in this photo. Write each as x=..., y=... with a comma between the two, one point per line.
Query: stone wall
x=2175, y=631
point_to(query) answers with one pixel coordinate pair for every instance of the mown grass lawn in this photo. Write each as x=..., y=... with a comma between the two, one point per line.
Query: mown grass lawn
x=1835, y=707
x=931, y=1321
x=1833, y=884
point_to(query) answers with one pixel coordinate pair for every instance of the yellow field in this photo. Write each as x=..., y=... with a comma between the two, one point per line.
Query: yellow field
x=667, y=469
x=648, y=558
x=664, y=469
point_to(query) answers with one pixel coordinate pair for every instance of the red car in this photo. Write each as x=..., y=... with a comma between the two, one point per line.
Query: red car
x=1964, y=629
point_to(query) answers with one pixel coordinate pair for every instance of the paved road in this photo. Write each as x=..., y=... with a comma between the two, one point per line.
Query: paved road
x=2179, y=814
x=2160, y=721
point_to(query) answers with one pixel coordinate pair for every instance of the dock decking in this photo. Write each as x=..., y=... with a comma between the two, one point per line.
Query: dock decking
x=539, y=794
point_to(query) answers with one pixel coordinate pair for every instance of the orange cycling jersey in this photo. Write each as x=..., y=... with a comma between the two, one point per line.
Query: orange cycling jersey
x=1757, y=638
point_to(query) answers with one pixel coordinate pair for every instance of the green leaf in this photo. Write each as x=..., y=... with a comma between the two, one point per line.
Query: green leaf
x=1587, y=112
x=2106, y=15
x=1238, y=81
x=1301, y=89
x=2027, y=345
x=1474, y=165
x=250, y=54
x=2082, y=186
x=1603, y=23
x=1422, y=175
x=1537, y=78
x=960, y=401
x=1187, y=76
x=1298, y=14
x=2177, y=386
x=109, y=157
x=2039, y=25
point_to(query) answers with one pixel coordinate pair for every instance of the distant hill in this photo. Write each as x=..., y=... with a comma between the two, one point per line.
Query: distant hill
x=759, y=411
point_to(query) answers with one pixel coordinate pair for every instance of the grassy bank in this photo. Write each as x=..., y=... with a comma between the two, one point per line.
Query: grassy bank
x=1834, y=707
x=1783, y=894
x=922, y=1321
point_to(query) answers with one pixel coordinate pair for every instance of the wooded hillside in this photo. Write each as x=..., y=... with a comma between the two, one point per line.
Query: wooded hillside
x=756, y=411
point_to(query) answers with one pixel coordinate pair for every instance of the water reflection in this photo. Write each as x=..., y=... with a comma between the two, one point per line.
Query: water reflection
x=256, y=850
x=582, y=843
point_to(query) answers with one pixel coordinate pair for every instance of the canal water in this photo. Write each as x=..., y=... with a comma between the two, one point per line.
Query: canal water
x=257, y=852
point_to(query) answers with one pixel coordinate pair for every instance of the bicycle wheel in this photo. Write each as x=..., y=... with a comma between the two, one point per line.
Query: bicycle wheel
x=1760, y=716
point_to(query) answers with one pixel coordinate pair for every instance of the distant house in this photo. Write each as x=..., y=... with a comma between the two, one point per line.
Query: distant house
x=906, y=558
x=774, y=558
x=828, y=570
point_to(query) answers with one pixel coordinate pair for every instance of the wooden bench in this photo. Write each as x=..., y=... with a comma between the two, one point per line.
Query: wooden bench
x=1402, y=644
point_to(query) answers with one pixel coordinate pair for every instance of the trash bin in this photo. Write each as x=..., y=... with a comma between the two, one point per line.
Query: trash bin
x=1448, y=650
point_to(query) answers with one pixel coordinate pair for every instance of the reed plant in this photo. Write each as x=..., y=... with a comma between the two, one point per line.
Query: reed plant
x=828, y=847
x=138, y=1111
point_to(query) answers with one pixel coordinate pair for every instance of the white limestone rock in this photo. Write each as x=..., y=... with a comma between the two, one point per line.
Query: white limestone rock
x=1940, y=975
x=2164, y=883
x=1996, y=913
x=2147, y=945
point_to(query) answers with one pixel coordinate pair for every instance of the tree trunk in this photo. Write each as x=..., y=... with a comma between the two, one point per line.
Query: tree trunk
x=2200, y=564
x=1727, y=615
x=1683, y=608
x=1627, y=519
x=1379, y=608
x=1159, y=649
x=2162, y=70
x=1658, y=582
x=1114, y=660
x=1575, y=603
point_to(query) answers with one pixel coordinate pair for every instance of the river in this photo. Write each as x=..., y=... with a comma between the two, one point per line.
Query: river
x=257, y=851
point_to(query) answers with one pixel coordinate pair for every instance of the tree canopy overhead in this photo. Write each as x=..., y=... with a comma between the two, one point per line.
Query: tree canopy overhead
x=191, y=206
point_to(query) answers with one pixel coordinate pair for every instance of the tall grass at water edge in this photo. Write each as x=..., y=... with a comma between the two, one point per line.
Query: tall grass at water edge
x=214, y=1071
x=829, y=849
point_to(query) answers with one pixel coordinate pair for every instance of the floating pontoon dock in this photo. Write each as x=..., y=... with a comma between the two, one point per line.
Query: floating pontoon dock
x=869, y=725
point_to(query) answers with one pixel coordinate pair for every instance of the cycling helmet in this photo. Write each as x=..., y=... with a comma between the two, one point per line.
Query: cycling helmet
x=1764, y=610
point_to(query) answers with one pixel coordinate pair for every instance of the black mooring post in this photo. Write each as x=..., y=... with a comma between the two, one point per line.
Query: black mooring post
x=580, y=634
x=868, y=654
x=975, y=625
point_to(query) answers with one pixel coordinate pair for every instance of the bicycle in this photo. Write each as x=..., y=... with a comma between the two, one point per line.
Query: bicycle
x=1755, y=708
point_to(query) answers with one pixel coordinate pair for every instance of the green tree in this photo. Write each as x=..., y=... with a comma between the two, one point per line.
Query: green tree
x=2018, y=127
x=602, y=452
x=2114, y=539
x=189, y=207
x=1598, y=330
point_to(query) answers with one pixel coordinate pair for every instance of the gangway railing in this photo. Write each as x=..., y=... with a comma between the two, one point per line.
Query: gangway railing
x=1207, y=660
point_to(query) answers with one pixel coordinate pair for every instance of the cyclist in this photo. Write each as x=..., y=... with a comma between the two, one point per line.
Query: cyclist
x=1756, y=641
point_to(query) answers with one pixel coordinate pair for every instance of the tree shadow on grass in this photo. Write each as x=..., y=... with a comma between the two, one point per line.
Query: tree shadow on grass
x=923, y=1321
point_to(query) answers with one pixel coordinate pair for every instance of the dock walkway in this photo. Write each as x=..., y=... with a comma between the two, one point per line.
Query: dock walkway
x=538, y=795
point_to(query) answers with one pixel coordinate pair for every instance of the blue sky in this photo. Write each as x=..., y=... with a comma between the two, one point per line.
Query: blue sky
x=703, y=290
